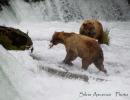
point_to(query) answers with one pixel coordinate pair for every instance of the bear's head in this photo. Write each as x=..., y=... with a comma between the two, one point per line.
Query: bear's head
x=89, y=28
x=56, y=38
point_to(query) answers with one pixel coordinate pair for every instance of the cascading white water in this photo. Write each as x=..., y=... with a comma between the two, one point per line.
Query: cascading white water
x=65, y=10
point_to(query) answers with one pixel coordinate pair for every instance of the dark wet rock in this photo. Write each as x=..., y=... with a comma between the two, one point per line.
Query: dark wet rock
x=33, y=0
x=14, y=39
x=4, y=3
x=128, y=1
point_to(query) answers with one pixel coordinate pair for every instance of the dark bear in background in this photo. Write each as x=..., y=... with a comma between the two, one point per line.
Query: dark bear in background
x=92, y=28
x=81, y=46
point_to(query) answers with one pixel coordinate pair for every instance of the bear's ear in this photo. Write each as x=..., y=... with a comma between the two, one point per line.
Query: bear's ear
x=55, y=32
x=60, y=34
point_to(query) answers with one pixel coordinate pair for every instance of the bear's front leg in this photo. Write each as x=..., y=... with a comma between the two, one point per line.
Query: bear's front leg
x=70, y=56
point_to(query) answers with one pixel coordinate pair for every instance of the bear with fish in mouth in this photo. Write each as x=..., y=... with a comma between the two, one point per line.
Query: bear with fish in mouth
x=81, y=46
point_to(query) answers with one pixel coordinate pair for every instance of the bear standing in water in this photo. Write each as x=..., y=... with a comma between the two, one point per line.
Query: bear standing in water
x=92, y=28
x=81, y=46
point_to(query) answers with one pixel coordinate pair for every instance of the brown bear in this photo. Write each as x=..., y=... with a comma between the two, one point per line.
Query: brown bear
x=92, y=28
x=81, y=46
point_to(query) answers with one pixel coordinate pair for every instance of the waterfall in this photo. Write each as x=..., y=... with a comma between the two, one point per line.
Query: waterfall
x=64, y=10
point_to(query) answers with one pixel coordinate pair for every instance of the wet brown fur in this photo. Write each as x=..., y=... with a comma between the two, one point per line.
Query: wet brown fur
x=90, y=26
x=81, y=46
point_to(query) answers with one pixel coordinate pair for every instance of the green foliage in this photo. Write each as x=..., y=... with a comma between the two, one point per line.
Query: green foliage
x=106, y=38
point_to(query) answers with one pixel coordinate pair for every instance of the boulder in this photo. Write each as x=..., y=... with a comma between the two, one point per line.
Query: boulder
x=14, y=39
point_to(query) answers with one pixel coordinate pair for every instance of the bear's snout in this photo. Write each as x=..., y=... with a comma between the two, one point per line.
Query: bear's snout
x=54, y=42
